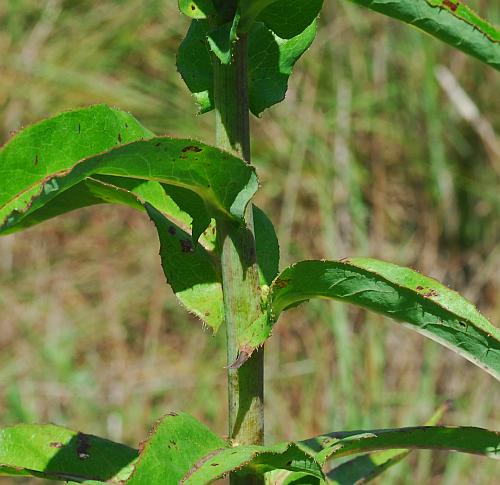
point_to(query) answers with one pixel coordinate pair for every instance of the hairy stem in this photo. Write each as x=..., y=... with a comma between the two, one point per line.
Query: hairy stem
x=239, y=269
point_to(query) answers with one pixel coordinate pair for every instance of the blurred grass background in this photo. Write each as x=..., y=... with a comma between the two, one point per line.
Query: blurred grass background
x=368, y=156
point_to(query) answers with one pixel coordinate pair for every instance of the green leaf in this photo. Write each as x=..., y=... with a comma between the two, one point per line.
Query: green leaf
x=363, y=469
x=289, y=18
x=54, y=157
x=182, y=450
x=54, y=145
x=54, y=452
x=270, y=63
x=450, y=21
x=399, y=293
x=476, y=441
x=175, y=446
x=194, y=64
x=298, y=478
x=221, y=40
x=267, y=247
x=253, y=460
x=197, y=9
x=193, y=269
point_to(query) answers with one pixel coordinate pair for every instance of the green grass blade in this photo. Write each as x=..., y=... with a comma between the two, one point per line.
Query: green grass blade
x=450, y=21
x=56, y=155
x=399, y=293
x=55, y=452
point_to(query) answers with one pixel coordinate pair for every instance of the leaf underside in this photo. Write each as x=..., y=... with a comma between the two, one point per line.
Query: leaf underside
x=451, y=21
x=396, y=292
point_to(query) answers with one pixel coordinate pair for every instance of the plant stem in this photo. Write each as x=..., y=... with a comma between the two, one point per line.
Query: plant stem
x=238, y=257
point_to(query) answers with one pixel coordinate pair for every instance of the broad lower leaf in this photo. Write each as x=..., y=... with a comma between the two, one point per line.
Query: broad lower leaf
x=58, y=453
x=399, y=293
x=270, y=63
x=449, y=20
x=55, y=156
x=476, y=441
x=182, y=450
x=51, y=146
x=175, y=446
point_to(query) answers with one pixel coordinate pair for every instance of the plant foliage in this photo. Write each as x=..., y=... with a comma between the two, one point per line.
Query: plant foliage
x=190, y=190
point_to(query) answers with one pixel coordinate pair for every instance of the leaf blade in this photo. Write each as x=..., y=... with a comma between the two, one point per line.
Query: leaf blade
x=399, y=293
x=448, y=20
x=270, y=63
x=55, y=452
x=62, y=164
x=465, y=439
x=363, y=469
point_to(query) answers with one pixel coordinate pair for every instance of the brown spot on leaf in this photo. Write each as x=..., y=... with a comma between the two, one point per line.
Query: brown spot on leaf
x=172, y=413
x=186, y=245
x=451, y=5
x=282, y=283
x=82, y=446
x=56, y=444
x=119, y=137
x=420, y=288
x=191, y=148
x=36, y=160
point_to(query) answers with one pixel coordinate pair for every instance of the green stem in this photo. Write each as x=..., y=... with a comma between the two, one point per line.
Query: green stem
x=240, y=278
